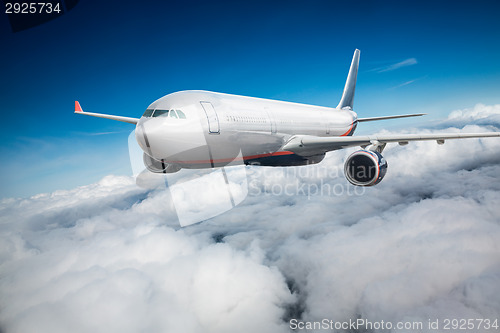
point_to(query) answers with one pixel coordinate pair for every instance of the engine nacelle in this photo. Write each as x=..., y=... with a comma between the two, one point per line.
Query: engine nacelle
x=365, y=168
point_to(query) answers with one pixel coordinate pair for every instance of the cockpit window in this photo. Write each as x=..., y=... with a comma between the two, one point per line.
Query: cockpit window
x=159, y=113
x=148, y=113
x=164, y=113
x=181, y=114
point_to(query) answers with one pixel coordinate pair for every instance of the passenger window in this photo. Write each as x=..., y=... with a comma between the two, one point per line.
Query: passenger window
x=173, y=114
x=159, y=113
x=148, y=113
x=181, y=114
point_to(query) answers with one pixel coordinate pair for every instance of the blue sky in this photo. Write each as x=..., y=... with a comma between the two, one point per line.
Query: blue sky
x=119, y=56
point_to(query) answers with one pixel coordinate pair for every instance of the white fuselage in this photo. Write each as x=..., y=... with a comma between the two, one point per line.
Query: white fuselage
x=214, y=129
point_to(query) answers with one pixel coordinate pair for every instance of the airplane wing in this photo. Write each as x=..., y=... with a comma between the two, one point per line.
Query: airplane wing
x=78, y=109
x=307, y=145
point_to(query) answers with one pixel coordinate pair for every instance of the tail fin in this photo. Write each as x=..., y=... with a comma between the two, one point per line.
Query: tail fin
x=350, y=84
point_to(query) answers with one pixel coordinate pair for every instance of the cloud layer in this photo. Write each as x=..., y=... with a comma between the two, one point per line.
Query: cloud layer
x=480, y=114
x=110, y=257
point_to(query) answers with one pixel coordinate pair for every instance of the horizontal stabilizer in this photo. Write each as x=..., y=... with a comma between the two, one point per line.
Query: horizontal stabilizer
x=78, y=109
x=391, y=117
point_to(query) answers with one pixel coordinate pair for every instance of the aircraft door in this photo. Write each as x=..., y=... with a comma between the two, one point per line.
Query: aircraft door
x=271, y=120
x=213, y=120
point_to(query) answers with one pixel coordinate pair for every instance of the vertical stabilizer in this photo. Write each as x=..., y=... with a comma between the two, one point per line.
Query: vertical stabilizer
x=350, y=84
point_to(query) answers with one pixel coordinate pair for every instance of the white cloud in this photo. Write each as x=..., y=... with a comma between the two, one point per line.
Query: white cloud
x=407, y=83
x=110, y=257
x=480, y=114
x=398, y=65
x=404, y=84
x=480, y=111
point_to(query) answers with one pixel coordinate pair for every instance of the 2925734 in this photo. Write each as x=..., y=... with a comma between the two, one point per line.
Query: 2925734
x=32, y=8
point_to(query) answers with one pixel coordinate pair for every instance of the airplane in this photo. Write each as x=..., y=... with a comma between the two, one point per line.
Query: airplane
x=197, y=129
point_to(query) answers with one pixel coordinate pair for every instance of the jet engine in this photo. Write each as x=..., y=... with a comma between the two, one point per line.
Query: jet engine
x=365, y=168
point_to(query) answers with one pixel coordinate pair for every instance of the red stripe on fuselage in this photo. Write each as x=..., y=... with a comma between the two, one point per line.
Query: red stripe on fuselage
x=350, y=128
x=226, y=160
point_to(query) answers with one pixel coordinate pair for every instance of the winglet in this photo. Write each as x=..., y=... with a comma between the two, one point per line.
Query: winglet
x=78, y=108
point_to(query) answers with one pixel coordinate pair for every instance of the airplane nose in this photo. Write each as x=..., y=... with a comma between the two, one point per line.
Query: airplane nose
x=141, y=138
